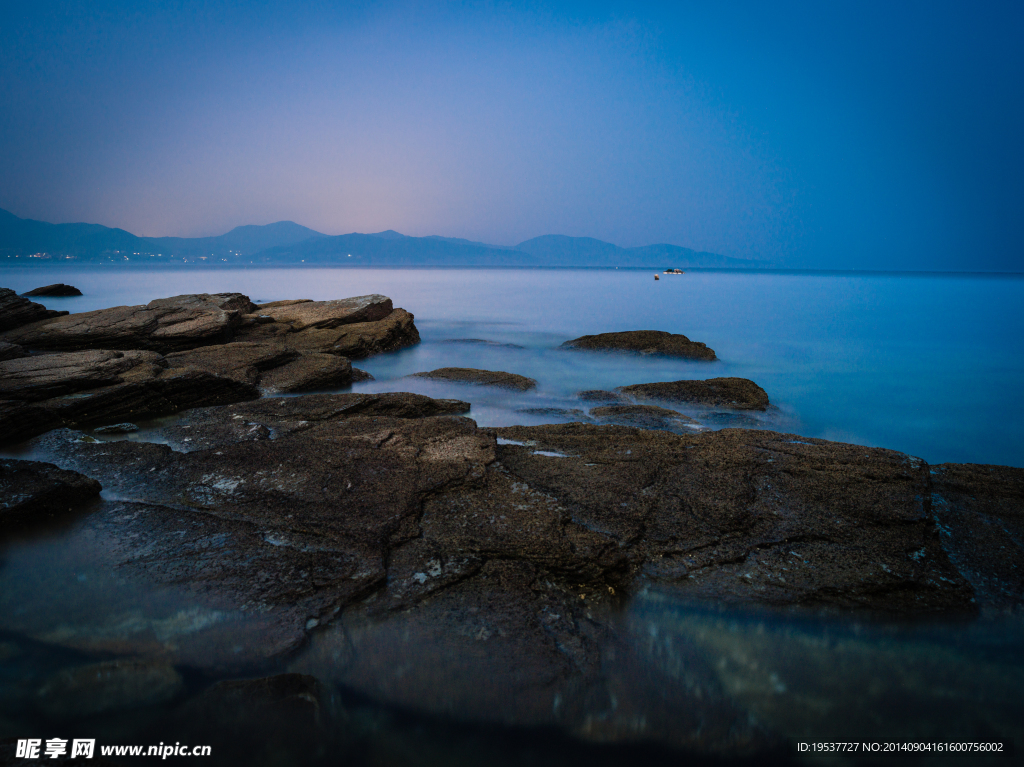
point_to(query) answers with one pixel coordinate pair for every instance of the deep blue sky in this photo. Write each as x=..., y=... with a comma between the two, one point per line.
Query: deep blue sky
x=877, y=135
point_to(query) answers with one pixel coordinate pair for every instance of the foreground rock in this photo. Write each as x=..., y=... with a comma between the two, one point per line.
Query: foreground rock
x=58, y=289
x=31, y=491
x=645, y=342
x=16, y=311
x=324, y=315
x=735, y=393
x=478, y=573
x=483, y=377
x=10, y=351
x=86, y=388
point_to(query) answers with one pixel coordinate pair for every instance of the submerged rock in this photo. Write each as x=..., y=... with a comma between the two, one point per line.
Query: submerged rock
x=100, y=688
x=32, y=490
x=484, y=377
x=645, y=342
x=645, y=417
x=737, y=393
x=607, y=397
x=58, y=289
x=16, y=311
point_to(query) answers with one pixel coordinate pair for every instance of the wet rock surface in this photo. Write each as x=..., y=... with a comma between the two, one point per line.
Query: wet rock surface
x=645, y=417
x=57, y=289
x=16, y=311
x=103, y=687
x=10, y=351
x=32, y=490
x=645, y=342
x=736, y=393
x=497, y=378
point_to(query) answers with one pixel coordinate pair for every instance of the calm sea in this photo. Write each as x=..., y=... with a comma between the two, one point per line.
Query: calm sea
x=928, y=364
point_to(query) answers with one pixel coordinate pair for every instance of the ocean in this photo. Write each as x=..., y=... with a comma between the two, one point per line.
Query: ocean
x=931, y=364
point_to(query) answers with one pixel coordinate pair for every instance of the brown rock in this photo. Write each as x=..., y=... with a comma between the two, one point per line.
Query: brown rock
x=607, y=397
x=58, y=289
x=736, y=393
x=21, y=420
x=645, y=417
x=43, y=376
x=324, y=315
x=16, y=311
x=484, y=377
x=242, y=361
x=308, y=372
x=645, y=342
x=10, y=351
x=30, y=490
x=164, y=325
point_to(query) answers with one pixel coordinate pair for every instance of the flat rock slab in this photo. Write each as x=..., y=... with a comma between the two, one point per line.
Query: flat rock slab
x=58, y=289
x=32, y=490
x=735, y=393
x=163, y=325
x=43, y=376
x=10, y=351
x=324, y=315
x=16, y=311
x=483, y=377
x=606, y=397
x=645, y=417
x=645, y=342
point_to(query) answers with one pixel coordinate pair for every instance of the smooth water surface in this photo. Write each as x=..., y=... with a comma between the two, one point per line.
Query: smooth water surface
x=928, y=364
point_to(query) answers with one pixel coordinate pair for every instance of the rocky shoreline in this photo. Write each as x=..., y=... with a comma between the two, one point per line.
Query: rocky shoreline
x=341, y=522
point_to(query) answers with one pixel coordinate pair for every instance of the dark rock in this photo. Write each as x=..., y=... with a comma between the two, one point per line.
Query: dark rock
x=309, y=372
x=213, y=427
x=21, y=420
x=481, y=341
x=324, y=315
x=568, y=414
x=361, y=375
x=43, y=376
x=59, y=289
x=30, y=490
x=645, y=342
x=116, y=428
x=101, y=688
x=484, y=377
x=355, y=341
x=737, y=393
x=608, y=397
x=980, y=511
x=10, y=351
x=242, y=361
x=16, y=311
x=163, y=325
x=645, y=417
x=171, y=392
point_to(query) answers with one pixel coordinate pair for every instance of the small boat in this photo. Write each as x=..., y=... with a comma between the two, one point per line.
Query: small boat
x=674, y=271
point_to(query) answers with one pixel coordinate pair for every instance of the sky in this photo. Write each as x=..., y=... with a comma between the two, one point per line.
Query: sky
x=809, y=135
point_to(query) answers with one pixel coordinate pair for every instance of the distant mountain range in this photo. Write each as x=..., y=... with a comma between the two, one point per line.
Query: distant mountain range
x=286, y=243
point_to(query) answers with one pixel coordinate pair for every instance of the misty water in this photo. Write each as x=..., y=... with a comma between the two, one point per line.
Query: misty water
x=928, y=364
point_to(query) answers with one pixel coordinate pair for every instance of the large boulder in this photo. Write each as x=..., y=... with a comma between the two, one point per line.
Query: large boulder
x=57, y=289
x=324, y=315
x=355, y=340
x=497, y=378
x=16, y=311
x=734, y=393
x=645, y=342
x=163, y=325
x=31, y=490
